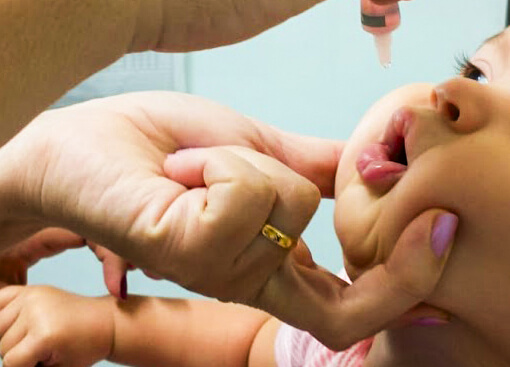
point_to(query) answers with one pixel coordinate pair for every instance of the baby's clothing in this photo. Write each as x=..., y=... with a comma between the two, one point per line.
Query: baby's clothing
x=298, y=348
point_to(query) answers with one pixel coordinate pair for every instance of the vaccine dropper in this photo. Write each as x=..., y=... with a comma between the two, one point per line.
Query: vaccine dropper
x=380, y=21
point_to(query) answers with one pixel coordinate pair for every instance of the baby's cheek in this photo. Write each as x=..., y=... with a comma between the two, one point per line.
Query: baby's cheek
x=357, y=226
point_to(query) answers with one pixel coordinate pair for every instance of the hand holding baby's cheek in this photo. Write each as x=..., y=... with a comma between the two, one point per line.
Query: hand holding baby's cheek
x=32, y=332
x=338, y=314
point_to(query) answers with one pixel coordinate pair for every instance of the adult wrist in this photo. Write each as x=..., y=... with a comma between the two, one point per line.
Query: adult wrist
x=18, y=220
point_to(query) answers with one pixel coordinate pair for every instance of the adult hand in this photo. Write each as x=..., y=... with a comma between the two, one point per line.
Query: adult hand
x=115, y=270
x=298, y=291
x=18, y=258
x=97, y=169
x=15, y=260
x=388, y=295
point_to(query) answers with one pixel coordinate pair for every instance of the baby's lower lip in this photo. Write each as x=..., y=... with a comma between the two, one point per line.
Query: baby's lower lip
x=376, y=168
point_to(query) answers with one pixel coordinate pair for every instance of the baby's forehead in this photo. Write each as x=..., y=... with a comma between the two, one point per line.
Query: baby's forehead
x=501, y=39
x=493, y=58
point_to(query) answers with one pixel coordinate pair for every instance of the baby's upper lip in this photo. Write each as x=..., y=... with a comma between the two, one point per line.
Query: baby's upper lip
x=397, y=136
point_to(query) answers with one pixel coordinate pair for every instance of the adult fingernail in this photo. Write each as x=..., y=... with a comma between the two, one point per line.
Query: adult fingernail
x=123, y=287
x=443, y=233
x=429, y=321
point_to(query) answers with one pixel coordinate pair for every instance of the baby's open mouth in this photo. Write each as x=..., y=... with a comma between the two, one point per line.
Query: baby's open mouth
x=382, y=164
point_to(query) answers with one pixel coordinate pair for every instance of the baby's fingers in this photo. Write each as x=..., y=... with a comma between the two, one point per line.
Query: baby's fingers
x=29, y=352
x=9, y=309
x=12, y=337
x=8, y=294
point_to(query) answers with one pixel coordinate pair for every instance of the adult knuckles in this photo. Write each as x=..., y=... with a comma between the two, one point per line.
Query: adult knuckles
x=302, y=197
x=258, y=188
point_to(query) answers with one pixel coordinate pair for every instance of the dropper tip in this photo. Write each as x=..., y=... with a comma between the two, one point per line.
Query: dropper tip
x=383, y=46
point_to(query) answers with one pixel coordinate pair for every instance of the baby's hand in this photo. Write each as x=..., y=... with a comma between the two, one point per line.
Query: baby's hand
x=52, y=327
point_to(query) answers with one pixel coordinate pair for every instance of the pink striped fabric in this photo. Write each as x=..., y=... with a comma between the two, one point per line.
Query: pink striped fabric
x=297, y=348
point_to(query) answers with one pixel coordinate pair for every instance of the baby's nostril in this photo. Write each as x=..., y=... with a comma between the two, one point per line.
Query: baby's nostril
x=453, y=111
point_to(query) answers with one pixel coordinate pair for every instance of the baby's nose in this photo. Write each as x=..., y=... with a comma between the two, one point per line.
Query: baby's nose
x=463, y=103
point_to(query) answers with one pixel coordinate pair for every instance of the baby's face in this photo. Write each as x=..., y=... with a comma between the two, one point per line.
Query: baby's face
x=444, y=146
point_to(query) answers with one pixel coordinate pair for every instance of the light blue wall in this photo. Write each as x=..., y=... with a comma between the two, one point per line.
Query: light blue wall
x=315, y=74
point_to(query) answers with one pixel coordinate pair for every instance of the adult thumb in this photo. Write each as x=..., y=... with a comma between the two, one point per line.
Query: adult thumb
x=338, y=314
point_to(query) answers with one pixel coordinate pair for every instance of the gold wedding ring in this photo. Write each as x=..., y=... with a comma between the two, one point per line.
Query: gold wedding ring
x=275, y=235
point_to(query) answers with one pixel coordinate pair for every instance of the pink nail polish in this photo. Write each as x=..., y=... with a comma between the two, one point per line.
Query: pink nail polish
x=443, y=233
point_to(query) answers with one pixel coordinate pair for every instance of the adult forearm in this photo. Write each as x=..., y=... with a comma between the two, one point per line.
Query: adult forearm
x=201, y=24
x=48, y=46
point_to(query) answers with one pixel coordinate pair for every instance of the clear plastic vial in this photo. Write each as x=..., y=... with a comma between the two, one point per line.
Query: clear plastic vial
x=380, y=21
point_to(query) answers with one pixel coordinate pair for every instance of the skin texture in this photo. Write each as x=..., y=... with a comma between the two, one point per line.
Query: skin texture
x=123, y=143
x=457, y=144
x=118, y=134
x=43, y=324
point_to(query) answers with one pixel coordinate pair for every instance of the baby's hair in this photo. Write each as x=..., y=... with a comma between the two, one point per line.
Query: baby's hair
x=508, y=13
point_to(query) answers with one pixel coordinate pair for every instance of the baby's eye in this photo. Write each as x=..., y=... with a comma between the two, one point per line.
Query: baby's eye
x=473, y=72
x=468, y=70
